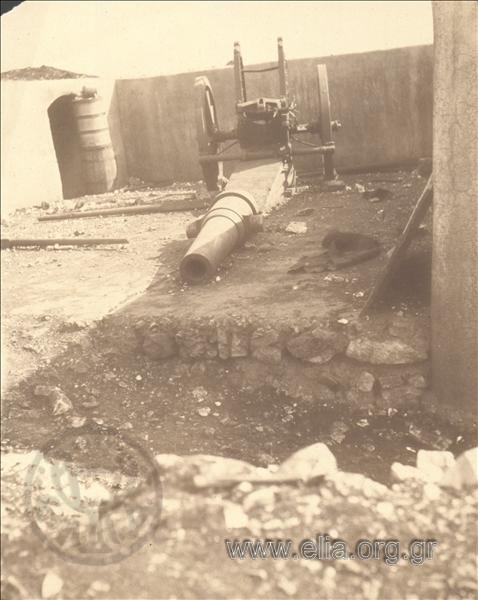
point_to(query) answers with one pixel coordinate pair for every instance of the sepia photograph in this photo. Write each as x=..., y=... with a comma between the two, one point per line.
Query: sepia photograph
x=239, y=300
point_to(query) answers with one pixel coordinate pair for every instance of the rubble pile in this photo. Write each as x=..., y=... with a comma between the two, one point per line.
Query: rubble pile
x=208, y=500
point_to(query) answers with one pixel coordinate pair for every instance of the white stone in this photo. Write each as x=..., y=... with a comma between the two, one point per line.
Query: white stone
x=245, y=487
x=431, y=491
x=296, y=227
x=288, y=586
x=347, y=483
x=234, y=516
x=386, y=509
x=433, y=464
x=384, y=352
x=464, y=473
x=365, y=382
x=51, y=585
x=99, y=586
x=264, y=497
x=305, y=464
x=401, y=472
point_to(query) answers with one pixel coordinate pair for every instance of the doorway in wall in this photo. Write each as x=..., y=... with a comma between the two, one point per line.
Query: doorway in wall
x=67, y=145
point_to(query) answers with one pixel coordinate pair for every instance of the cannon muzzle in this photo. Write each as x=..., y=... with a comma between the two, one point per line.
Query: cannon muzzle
x=223, y=228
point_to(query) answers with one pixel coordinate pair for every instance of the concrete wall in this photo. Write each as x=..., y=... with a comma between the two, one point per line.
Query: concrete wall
x=29, y=169
x=455, y=214
x=384, y=100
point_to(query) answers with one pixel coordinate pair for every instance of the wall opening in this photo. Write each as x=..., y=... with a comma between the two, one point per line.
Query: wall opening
x=67, y=145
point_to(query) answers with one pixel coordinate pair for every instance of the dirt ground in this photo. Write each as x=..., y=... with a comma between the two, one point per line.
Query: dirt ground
x=229, y=409
x=255, y=280
x=51, y=296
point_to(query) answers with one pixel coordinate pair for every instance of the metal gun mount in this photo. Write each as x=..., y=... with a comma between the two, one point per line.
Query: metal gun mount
x=265, y=127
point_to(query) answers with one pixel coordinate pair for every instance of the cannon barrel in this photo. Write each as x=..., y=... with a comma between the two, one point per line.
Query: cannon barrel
x=224, y=226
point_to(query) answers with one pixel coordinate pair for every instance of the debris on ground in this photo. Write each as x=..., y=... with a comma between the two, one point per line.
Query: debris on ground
x=339, y=504
x=305, y=212
x=301, y=189
x=342, y=249
x=430, y=439
x=61, y=403
x=296, y=227
x=377, y=195
x=294, y=436
x=334, y=185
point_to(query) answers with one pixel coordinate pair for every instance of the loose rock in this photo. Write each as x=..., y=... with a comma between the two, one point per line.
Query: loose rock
x=464, y=473
x=234, y=516
x=387, y=352
x=365, y=382
x=317, y=346
x=310, y=462
x=433, y=464
x=401, y=472
x=418, y=381
x=265, y=346
x=159, y=345
x=51, y=586
x=263, y=497
x=204, y=411
x=61, y=403
x=296, y=227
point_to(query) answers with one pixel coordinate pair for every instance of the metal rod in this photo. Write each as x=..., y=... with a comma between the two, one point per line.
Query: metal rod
x=44, y=243
x=227, y=148
x=265, y=70
x=259, y=155
x=165, y=206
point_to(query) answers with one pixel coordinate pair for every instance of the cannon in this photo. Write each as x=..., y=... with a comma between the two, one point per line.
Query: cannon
x=266, y=128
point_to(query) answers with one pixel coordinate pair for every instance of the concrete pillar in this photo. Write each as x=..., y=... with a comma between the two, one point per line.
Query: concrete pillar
x=455, y=211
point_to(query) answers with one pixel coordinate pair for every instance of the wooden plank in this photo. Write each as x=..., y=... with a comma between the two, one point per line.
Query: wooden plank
x=401, y=247
x=163, y=206
x=44, y=242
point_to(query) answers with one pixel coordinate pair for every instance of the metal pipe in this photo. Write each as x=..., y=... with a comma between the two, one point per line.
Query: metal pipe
x=223, y=227
x=260, y=155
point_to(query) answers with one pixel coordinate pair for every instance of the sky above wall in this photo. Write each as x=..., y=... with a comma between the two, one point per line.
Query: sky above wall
x=133, y=39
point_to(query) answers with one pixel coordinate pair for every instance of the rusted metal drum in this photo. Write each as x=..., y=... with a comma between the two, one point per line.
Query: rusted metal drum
x=98, y=158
